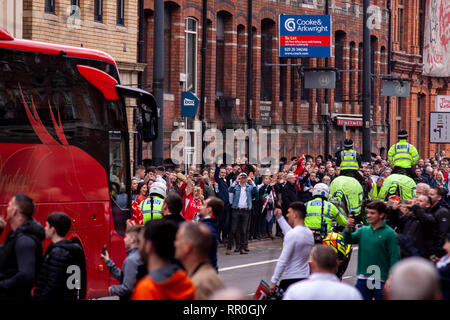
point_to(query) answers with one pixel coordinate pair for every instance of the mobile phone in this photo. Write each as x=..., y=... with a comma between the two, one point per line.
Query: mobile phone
x=104, y=249
x=404, y=201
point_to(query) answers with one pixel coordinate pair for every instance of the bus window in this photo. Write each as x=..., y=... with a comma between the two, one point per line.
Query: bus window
x=118, y=171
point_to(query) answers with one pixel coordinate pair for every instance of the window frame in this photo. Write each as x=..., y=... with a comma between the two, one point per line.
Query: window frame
x=188, y=32
x=98, y=11
x=50, y=6
x=120, y=15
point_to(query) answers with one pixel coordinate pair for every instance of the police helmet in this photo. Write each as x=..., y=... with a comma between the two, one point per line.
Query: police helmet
x=348, y=143
x=158, y=188
x=402, y=134
x=322, y=190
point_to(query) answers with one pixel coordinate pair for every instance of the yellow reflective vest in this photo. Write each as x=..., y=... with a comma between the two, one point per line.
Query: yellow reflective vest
x=403, y=154
x=146, y=207
x=313, y=217
x=375, y=193
x=348, y=160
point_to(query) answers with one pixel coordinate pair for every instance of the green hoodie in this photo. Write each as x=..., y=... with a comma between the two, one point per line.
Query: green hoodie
x=376, y=248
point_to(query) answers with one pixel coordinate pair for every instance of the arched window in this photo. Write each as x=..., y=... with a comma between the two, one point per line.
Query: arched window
x=351, y=75
x=191, y=37
x=339, y=64
x=167, y=45
x=267, y=27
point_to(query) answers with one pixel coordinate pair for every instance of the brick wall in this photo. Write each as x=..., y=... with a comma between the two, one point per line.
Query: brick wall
x=106, y=36
x=302, y=122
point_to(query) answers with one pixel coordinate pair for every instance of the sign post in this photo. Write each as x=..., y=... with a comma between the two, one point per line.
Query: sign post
x=189, y=105
x=305, y=36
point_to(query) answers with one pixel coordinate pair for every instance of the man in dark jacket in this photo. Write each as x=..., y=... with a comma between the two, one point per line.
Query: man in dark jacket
x=441, y=214
x=21, y=254
x=53, y=278
x=415, y=230
x=222, y=194
x=173, y=204
x=289, y=193
x=211, y=210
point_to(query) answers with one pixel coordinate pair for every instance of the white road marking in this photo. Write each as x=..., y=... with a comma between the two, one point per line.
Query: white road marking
x=247, y=265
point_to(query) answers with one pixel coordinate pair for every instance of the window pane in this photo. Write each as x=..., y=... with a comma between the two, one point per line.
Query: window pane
x=191, y=55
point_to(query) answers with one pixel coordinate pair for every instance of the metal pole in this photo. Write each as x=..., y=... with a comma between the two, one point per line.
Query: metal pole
x=389, y=66
x=249, y=70
x=158, y=79
x=203, y=75
x=326, y=118
x=366, y=86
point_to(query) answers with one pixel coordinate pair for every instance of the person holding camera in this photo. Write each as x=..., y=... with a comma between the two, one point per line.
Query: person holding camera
x=243, y=191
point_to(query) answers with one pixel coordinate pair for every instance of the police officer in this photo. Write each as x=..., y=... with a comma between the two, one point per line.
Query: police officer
x=349, y=162
x=152, y=206
x=403, y=156
x=320, y=212
x=375, y=193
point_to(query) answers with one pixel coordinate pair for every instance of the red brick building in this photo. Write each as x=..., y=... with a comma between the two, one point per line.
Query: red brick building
x=297, y=111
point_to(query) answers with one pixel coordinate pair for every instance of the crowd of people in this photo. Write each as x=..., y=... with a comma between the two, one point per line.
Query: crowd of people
x=179, y=218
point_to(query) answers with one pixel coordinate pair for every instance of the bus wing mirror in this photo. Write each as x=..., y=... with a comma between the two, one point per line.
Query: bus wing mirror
x=101, y=80
x=147, y=108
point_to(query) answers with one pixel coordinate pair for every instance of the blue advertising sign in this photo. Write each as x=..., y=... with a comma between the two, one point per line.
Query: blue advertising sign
x=305, y=35
x=189, y=104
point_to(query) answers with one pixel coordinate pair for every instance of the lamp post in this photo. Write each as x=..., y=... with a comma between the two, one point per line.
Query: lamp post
x=367, y=94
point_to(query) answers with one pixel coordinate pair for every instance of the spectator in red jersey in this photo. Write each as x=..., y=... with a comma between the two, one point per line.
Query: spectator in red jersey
x=192, y=201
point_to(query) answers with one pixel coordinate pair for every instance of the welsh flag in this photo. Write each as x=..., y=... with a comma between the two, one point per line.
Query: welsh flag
x=271, y=196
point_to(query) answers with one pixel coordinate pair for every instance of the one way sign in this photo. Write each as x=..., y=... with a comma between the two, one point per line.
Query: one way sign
x=440, y=127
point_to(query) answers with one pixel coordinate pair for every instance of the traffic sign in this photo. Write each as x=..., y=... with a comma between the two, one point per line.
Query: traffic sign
x=439, y=127
x=189, y=104
x=320, y=80
x=305, y=35
x=395, y=89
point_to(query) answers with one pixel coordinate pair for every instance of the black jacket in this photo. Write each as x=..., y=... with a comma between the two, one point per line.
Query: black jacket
x=223, y=187
x=51, y=283
x=20, y=259
x=417, y=228
x=288, y=195
x=212, y=225
x=441, y=214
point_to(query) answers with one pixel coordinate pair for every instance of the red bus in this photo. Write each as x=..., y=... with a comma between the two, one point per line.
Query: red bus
x=64, y=141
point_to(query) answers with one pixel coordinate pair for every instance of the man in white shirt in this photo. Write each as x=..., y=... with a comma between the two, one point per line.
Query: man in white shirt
x=292, y=266
x=323, y=283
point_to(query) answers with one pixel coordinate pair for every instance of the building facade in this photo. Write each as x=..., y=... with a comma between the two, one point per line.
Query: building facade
x=277, y=88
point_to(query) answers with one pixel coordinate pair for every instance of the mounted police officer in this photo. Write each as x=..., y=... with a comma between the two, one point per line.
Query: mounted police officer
x=320, y=213
x=403, y=156
x=152, y=206
x=349, y=162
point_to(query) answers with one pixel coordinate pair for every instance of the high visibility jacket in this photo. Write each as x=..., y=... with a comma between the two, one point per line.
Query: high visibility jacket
x=405, y=185
x=146, y=207
x=348, y=189
x=330, y=213
x=348, y=160
x=403, y=154
x=375, y=193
